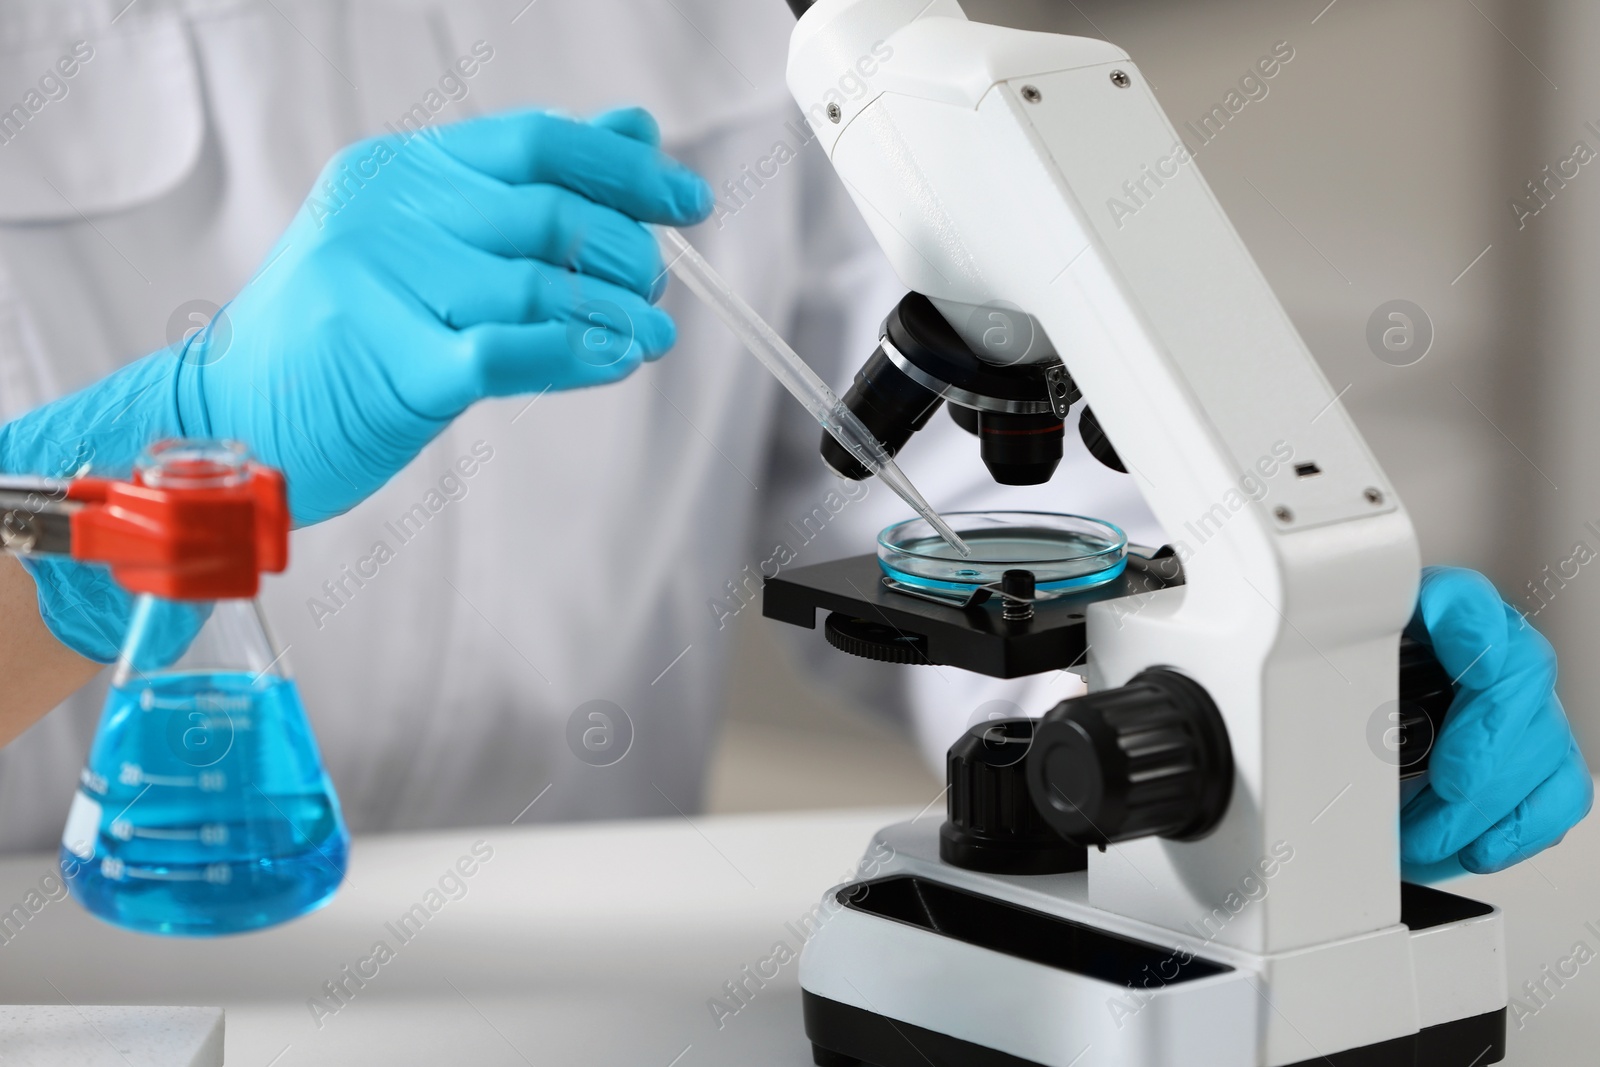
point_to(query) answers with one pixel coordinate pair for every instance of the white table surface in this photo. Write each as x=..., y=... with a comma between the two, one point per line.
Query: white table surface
x=602, y=943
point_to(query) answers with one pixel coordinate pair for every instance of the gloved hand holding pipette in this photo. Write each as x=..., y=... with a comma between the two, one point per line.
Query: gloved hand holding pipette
x=496, y=256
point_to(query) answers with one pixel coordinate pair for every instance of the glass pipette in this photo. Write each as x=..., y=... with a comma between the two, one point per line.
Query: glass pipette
x=796, y=376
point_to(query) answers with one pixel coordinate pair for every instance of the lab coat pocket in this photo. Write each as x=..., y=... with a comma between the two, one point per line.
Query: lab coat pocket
x=97, y=121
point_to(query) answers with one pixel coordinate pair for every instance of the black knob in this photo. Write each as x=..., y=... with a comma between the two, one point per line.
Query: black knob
x=993, y=825
x=1426, y=692
x=1150, y=759
x=1019, y=588
x=875, y=640
x=1098, y=444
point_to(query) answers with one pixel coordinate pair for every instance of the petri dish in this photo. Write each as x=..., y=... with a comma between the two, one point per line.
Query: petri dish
x=1064, y=552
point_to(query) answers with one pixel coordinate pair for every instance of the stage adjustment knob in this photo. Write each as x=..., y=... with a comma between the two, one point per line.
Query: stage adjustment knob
x=993, y=825
x=1150, y=759
x=875, y=640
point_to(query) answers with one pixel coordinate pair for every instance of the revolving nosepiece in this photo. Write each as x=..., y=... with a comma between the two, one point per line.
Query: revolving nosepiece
x=1017, y=412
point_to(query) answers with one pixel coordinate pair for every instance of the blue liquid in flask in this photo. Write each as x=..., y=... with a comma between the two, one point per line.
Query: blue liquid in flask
x=204, y=808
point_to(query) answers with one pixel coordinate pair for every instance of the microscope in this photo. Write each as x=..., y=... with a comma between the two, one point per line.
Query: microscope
x=1197, y=863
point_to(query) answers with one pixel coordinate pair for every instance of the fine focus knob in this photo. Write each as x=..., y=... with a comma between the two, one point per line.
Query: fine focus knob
x=1150, y=759
x=993, y=824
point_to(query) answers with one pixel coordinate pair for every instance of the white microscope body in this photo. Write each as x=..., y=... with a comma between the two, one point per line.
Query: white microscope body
x=1003, y=168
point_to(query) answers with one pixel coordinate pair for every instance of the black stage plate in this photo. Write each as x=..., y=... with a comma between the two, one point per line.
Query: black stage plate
x=974, y=639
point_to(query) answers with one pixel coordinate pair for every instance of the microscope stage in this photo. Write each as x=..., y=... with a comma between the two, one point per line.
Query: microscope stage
x=976, y=638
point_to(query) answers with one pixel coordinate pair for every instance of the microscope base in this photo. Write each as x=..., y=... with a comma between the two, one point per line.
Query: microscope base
x=875, y=1041
x=926, y=965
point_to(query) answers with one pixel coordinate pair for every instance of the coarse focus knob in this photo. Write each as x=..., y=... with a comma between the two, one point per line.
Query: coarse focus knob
x=1150, y=759
x=993, y=824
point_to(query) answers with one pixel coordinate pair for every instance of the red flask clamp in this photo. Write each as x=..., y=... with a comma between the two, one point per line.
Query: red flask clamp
x=200, y=530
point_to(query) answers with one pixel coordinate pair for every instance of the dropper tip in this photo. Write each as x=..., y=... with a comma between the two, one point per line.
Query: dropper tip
x=952, y=538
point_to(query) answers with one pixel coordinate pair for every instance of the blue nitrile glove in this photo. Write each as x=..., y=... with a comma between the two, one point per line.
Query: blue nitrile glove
x=496, y=256
x=102, y=429
x=1505, y=777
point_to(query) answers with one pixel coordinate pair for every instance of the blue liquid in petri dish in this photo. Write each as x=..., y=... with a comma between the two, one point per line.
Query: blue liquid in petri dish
x=204, y=809
x=1064, y=552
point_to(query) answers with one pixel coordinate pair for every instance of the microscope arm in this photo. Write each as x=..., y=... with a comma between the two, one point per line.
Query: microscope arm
x=1035, y=177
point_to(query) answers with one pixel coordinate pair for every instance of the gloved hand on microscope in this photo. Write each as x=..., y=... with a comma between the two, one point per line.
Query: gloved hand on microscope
x=491, y=257
x=1505, y=777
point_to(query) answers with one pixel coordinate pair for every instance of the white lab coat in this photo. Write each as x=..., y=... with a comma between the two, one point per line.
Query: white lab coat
x=585, y=559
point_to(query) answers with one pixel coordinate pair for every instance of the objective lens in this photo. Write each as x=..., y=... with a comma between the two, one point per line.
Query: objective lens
x=889, y=404
x=1021, y=449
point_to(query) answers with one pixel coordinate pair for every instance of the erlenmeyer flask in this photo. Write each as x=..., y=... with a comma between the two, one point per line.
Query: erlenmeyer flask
x=203, y=808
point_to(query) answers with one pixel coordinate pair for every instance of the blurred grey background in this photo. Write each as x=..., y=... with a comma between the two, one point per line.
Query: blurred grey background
x=1381, y=166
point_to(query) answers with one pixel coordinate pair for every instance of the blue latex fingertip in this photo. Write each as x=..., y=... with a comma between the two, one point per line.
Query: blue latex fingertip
x=695, y=199
x=1462, y=617
x=1491, y=860
x=634, y=122
x=1540, y=822
x=663, y=333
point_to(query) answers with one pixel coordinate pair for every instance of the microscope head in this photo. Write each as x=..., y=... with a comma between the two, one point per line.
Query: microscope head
x=1016, y=407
